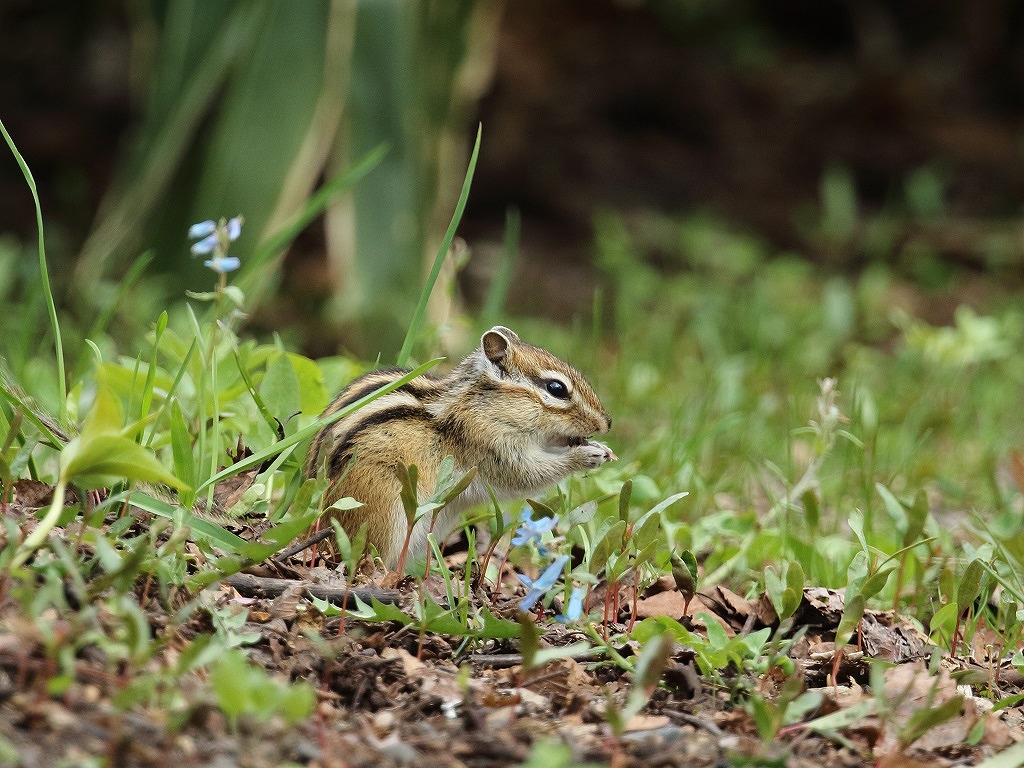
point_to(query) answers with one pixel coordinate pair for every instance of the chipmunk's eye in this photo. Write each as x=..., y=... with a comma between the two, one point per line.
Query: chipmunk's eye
x=557, y=389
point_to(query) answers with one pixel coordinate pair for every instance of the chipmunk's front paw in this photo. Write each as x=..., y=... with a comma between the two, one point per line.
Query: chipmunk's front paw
x=595, y=454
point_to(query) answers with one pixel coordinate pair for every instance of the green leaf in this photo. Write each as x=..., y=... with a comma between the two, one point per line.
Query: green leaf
x=200, y=528
x=554, y=653
x=857, y=573
x=278, y=537
x=99, y=460
x=496, y=628
x=610, y=542
x=897, y=512
x=794, y=592
x=624, y=496
x=876, y=583
x=648, y=628
x=717, y=637
x=856, y=521
x=451, y=492
x=852, y=614
x=313, y=395
x=812, y=511
x=661, y=506
x=375, y=611
x=409, y=477
x=970, y=585
x=944, y=620
x=181, y=450
x=346, y=503
x=529, y=640
x=280, y=388
x=917, y=517
x=307, y=432
x=540, y=508
x=684, y=573
x=844, y=718
x=581, y=515
x=924, y=719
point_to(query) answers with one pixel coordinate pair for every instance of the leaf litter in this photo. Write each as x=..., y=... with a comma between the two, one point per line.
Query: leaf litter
x=389, y=694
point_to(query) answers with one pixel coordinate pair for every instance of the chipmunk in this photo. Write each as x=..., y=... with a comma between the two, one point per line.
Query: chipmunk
x=516, y=412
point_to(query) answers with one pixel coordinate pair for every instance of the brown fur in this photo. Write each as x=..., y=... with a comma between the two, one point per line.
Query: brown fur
x=493, y=412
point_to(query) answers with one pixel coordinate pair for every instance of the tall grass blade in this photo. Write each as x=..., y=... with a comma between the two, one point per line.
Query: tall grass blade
x=494, y=305
x=44, y=275
x=416, y=324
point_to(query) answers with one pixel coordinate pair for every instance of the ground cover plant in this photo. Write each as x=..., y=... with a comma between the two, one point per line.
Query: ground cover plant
x=808, y=552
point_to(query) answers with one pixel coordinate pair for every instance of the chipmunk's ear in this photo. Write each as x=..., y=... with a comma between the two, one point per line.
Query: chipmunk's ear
x=495, y=343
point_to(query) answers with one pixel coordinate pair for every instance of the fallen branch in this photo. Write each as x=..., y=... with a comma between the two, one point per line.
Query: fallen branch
x=264, y=586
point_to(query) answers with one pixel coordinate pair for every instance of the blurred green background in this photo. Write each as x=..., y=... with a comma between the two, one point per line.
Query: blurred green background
x=855, y=135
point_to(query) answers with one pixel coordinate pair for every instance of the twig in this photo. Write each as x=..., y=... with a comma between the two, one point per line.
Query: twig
x=263, y=586
x=501, y=660
x=696, y=722
x=294, y=549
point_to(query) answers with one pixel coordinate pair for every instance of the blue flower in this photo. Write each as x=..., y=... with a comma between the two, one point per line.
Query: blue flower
x=532, y=530
x=215, y=239
x=575, y=608
x=543, y=583
x=202, y=229
x=223, y=264
x=204, y=246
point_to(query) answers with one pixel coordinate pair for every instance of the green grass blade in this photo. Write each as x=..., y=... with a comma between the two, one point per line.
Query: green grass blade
x=253, y=278
x=494, y=304
x=44, y=274
x=416, y=323
x=307, y=432
x=211, y=532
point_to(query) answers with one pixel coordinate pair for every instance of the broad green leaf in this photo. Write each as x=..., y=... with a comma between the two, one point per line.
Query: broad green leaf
x=794, y=591
x=944, y=620
x=852, y=614
x=279, y=537
x=844, y=718
x=924, y=719
x=775, y=588
x=684, y=573
x=547, y=655
x=375, y=611
x=200, y=528
x=98, y=460
x=857, y=573
x=280, y=389
x=661, y=506
x=876, y=583
x=581, y=515
x=181, y=450
x=529, y=640
x=313, y=396
x=610, y=542
x=496, y=628
x=970, y=584
x=624, y=496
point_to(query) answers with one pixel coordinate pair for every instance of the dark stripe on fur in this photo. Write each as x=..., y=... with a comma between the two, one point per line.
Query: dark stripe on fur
x=359, y=388
x=399, y=413
x=422, y=388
